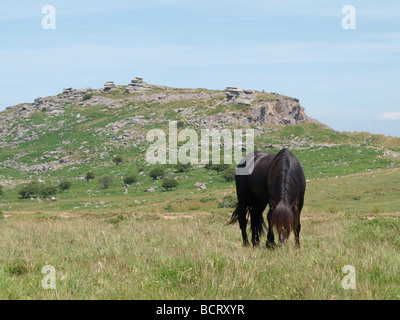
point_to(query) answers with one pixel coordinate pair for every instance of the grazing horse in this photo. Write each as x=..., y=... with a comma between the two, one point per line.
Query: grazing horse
x=276, y=180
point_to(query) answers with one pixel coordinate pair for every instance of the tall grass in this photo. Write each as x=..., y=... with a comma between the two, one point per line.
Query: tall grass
x=195, y=258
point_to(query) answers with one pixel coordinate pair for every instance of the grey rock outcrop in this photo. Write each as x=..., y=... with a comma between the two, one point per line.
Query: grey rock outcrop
x=238, y=96
x=280, y=111
x=275, y=109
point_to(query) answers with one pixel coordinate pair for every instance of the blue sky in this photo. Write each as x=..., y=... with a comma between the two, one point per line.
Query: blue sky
x=348, y=79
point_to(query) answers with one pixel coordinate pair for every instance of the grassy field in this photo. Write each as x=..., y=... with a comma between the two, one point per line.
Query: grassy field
x=123, y=242
x=192, y=254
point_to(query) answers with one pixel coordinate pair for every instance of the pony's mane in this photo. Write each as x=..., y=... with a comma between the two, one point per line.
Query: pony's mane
x=285, y=180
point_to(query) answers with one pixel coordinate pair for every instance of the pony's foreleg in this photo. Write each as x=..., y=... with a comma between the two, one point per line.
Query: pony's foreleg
x=270, y=234
x=298, y=227
x=297, y=233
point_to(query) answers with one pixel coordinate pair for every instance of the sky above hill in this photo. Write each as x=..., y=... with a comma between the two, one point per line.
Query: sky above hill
x=347, y=78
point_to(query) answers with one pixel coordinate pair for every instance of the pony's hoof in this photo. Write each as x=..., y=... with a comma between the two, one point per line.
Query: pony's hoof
x=246, y=243
x=270, y=245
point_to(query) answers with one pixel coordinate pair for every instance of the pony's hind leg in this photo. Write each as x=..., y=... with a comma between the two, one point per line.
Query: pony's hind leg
x=242, y=218
x=256, y=221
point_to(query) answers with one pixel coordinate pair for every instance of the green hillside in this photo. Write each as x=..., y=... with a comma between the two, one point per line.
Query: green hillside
x=68, y=135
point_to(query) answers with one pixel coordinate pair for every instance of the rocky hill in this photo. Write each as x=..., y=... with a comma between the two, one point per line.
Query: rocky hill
x=85, y=128
x=249, y=107
x=124, y=112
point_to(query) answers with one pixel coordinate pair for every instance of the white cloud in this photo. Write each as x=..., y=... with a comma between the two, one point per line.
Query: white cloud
x=389, y=116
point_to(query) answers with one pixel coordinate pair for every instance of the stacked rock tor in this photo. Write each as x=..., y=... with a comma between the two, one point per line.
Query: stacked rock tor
x=108, y=86
x=138, y=85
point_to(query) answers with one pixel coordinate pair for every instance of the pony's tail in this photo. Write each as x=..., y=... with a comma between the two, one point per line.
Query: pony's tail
x=283, y=219
x=235, y=215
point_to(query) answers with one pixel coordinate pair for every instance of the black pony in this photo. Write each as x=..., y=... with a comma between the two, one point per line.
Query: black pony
x=272, y=179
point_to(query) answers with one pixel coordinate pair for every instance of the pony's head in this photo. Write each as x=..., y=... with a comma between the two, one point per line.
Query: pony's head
x=284, y=219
